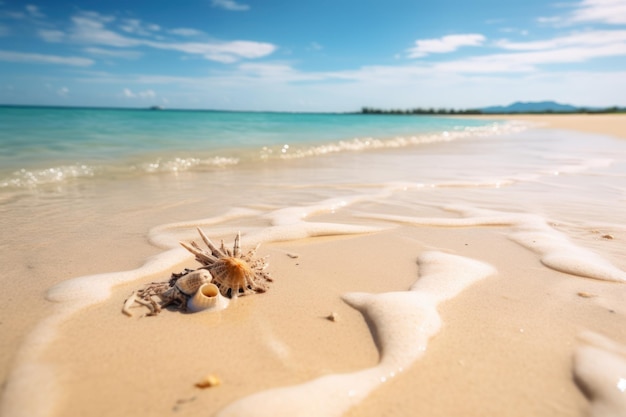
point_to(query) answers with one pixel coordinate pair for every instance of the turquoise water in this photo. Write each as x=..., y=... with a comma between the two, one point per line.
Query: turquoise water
x=41, y=145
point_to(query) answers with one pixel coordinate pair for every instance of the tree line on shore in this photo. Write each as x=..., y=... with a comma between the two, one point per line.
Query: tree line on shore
x=444, y=111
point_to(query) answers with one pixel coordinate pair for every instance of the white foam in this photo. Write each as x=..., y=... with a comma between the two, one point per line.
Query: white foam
x=27, y=178
x=401, y=323
x=175, y=165
x=600, y=371
x=369, y=143
x=556, y=251
x=165, y=236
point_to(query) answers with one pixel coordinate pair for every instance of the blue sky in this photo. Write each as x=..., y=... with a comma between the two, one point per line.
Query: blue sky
x=322, y=55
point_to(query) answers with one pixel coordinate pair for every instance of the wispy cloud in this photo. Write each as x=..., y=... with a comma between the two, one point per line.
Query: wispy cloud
x=591, y=38
x=276, y=72
x=611, y=12
x=230, y=5
x=225, y=52
x=137, y=27
x=11, y=56
x=445, y=44
x=531, y=60
x=128, y=93
x=63, y=92
x=91, y=28
x=34, y=11
x=52, y=36
x=186, y=32
x=113, y=53
x=603, y=11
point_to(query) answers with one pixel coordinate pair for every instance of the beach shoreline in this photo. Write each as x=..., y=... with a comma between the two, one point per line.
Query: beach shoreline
x=605, y=124
x=506, y=343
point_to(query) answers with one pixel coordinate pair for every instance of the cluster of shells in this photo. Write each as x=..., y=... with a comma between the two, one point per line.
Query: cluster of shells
x=225, y=273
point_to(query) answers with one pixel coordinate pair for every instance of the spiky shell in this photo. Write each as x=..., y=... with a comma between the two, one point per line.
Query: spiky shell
x=235, y=277
x=190, y=283
x=235, y=273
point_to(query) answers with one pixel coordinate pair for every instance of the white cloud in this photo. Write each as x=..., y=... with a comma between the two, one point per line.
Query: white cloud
x=522, y=32
x=90, y=28
x=52, y=36
x=579, y=39
x=147, y=94
x=225, y=52
x=549, y=20
x=137, y=27
x=611, y=12
x=186, y=32
x=98, y=16
x=14, y=15
x=529, y=61
x=63, y=91
x=528, y=56
x=113, y=53
x=33, y=11
x=11, y=56
x=141, y=94
x=230, y=5
x=282, y=73
x=445, y=44
x=602, y=11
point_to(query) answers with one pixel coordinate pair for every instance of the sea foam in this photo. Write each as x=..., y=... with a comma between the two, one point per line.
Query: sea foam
x=556, y=251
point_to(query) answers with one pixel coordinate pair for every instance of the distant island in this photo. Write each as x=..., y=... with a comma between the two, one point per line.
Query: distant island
x=519, y=107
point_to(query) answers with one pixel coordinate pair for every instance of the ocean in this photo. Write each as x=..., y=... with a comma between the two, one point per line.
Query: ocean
x=42, y=146
x=94, y=203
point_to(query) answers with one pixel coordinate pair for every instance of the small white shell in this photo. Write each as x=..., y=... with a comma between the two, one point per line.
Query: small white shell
x=190, y=283
x=208, y=297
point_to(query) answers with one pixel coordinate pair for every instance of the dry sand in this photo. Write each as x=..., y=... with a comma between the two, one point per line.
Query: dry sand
x=605, y=124
x=505, y=347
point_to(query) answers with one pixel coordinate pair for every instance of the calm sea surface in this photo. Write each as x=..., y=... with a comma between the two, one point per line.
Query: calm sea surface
x=41, y=146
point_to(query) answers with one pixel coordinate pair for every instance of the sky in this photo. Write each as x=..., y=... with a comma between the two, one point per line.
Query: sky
x=320, y=55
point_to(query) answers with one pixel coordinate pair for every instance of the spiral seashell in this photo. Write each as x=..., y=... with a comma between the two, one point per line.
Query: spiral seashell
x=190, y=283
x=207, y=297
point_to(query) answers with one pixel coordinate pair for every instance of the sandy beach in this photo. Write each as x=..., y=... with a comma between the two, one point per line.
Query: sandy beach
x=606, y=124
x=546, y=254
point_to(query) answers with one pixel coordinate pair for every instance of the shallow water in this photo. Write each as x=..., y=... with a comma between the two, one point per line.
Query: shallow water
x=43, y=146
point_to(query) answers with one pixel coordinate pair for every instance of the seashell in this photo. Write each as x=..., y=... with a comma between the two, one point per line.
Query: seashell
x=208, y=297
x=209, y=381
x=236, y=277
x=585, y=294
x=190, y=283
x=332, y=316
x=234, y=272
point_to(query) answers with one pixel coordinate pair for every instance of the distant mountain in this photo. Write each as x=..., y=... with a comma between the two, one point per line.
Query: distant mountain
x=531, y=107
